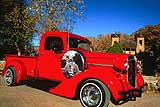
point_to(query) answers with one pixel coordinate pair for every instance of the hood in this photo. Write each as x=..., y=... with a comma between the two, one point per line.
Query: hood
x=105, y=55
x=106, y=59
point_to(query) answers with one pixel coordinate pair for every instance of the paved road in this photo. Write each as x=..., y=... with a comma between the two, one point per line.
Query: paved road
x=27, y=96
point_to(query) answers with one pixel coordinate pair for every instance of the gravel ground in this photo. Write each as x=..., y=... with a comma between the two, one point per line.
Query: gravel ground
x=26, y=96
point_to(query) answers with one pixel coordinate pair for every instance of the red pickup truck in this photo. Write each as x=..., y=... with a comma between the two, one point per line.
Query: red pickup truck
x=94, y=77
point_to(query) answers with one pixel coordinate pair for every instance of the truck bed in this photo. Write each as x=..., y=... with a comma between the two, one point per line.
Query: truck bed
x=27, y=63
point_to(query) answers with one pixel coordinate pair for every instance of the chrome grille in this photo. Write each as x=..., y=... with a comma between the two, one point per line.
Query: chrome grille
x=132, y=71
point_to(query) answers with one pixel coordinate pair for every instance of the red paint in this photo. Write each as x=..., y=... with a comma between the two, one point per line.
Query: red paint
x=98, y=66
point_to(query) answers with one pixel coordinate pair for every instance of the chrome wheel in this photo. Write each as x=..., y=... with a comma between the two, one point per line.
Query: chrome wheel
x=8, y=77
x=91, y=95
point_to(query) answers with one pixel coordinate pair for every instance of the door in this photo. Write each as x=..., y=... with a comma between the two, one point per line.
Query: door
x=49, y=59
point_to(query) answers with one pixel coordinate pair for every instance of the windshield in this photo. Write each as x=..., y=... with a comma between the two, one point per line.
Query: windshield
x=76, y=43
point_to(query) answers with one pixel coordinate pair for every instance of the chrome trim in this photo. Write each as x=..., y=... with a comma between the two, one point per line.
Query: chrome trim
x=92, y=64
x=132, y=74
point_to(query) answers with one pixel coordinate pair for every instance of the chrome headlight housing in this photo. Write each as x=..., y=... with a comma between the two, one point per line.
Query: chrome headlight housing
x=126, y=65
x=139, y=67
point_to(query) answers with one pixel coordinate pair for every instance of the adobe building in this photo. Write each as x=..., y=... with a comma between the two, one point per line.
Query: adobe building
x=140, y=44
x=115, y=38
x=129, y=46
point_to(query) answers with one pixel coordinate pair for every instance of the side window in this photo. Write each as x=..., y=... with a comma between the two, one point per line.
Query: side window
x=73, y=43
x=53, y=43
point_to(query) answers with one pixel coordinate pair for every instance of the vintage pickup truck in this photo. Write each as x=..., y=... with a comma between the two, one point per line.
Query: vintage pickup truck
x=93, y=77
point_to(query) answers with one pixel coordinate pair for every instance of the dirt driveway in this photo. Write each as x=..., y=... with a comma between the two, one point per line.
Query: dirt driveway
x=26, y=96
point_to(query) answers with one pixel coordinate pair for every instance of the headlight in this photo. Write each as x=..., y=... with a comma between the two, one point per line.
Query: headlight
x=139, y=66
x=126, y=66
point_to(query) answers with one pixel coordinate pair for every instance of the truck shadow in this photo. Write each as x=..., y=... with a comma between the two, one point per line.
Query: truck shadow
x=43, y=85
x=121, y=102
x=126, y=99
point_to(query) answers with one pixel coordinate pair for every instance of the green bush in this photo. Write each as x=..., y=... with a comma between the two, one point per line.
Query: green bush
x=116, y=48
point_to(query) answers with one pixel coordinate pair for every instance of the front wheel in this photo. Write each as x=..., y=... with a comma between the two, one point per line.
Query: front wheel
x=93, y=94
x=10, y=76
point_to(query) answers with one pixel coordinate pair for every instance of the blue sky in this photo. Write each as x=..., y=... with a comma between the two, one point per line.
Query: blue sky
x=110, y=16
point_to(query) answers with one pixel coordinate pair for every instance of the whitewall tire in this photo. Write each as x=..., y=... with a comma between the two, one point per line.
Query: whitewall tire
x=94, y=94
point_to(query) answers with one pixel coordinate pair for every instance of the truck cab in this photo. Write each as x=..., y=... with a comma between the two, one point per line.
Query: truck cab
x=52, y=55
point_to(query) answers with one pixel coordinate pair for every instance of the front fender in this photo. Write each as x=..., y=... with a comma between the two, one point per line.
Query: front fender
x=106, y=75
x=110, y=78
x=20, y=72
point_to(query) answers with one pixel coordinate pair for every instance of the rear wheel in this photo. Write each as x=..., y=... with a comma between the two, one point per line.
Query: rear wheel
x=10, y=76
x=94, y=94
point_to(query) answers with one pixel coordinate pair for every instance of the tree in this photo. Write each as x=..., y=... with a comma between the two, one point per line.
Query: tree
x=5, y=7
x=56, y=15
x=101, y=43
x=19, y=27
x=152, y=39
x=19, y=19
x=116, y=48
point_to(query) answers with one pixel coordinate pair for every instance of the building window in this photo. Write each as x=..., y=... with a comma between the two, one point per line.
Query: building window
x=140, y=42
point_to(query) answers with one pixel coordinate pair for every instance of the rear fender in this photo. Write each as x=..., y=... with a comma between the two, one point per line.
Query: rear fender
x=19, y=67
